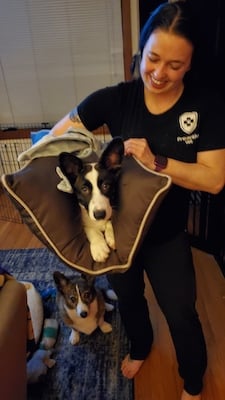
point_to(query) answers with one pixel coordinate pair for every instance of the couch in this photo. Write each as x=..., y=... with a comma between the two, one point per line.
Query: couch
x=13, y=339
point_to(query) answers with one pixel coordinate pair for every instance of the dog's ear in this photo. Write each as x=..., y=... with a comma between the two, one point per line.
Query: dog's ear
x=60, y=280
x=70, y=166
x=90, y=279
x=112, y=156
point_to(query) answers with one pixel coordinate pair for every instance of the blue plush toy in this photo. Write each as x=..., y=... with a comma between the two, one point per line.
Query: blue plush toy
x=41, y=360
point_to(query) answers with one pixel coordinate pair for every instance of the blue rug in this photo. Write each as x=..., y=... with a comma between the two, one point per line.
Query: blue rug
x=89, y=370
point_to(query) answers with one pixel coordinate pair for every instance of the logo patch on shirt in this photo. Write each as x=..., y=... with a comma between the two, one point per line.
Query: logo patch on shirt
x=188, y=122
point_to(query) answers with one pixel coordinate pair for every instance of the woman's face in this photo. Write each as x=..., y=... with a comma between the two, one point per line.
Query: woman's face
x=165, y=60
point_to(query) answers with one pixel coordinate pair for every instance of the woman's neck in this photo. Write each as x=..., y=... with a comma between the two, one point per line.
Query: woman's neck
x=162, y=102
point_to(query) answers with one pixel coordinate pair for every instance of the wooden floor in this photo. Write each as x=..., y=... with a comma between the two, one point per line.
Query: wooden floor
x=17, y=236
x=158, y=378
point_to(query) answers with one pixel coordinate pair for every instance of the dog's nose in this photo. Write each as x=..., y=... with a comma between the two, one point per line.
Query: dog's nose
x=83, y=314
x=99, y=214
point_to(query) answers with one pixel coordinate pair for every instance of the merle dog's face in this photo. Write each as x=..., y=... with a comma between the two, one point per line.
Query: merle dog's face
x=78, y=292
x=95, y=184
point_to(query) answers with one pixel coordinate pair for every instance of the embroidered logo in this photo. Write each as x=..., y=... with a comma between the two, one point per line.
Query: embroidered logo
x=188, y=122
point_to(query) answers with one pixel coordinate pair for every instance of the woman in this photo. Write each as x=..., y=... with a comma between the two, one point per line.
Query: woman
x=173, y=127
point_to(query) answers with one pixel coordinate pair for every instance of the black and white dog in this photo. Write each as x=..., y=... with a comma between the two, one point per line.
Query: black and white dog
x=95, y=185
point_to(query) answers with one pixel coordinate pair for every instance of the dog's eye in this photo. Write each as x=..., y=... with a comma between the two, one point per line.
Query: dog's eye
x=85, y=189
x=73, y=299
x=86, y=295
x=105, y=187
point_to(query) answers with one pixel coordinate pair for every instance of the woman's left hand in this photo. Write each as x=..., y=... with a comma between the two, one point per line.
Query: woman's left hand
x=140, y=149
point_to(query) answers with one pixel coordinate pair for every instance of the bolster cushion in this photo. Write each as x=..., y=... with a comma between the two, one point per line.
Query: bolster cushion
x=55, y=217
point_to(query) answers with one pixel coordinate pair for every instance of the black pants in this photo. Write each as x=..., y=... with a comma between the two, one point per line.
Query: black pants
x=169, y=268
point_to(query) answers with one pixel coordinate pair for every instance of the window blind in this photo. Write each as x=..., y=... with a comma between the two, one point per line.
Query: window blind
x=53, y=53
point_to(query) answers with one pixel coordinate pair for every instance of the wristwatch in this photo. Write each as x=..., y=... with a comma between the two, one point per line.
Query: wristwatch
x=160, y=162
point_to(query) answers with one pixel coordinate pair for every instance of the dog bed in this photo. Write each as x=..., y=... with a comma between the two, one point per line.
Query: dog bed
x=55, y=217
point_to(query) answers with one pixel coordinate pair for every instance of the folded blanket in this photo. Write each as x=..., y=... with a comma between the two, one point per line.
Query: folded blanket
x=81, y=141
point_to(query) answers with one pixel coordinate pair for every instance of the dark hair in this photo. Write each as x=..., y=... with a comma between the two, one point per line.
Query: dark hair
x=175, y=17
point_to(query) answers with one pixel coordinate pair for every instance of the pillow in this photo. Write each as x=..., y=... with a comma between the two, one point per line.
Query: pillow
x=55, y=217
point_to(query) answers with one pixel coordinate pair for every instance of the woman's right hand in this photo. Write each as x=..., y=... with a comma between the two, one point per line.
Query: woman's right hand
x=140, y=149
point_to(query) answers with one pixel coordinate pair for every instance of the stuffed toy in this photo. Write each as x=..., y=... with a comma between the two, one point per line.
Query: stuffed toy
x=36, y=310
x=38, y=365
x=49, y=335
x=40, y=332
x=35, y=317
x=41, y=360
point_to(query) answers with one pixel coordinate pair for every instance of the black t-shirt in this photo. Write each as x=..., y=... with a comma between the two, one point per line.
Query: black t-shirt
x=195, y=123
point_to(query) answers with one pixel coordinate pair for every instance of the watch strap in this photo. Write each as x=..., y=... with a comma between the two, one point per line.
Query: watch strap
x=160, y=162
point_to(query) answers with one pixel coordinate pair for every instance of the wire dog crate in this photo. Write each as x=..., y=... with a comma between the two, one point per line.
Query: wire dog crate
x=12, y=143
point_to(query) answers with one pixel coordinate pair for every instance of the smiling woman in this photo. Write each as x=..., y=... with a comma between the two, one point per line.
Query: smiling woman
x=165, y=61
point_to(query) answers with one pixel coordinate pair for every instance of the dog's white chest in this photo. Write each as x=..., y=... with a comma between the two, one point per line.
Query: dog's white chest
x=85, y=325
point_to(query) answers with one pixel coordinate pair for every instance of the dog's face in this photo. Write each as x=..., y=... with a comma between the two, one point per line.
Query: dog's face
x=78, y=292
x=95, y=184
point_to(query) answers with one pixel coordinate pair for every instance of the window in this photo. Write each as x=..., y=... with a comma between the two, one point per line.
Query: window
x=53, y=53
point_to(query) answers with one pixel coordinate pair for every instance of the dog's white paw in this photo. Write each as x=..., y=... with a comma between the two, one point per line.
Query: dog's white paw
x=74, y=337
x=109, y=235
x=106, y=327
x=99, y=251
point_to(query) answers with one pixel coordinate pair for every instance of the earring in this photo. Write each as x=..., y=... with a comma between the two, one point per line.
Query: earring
x=135, y=65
